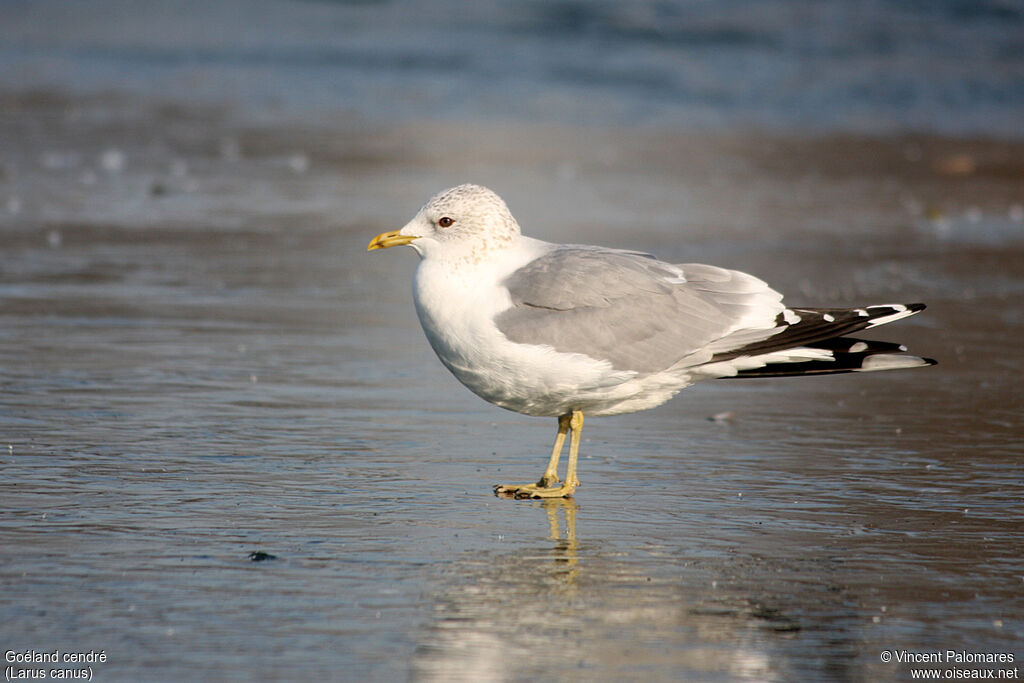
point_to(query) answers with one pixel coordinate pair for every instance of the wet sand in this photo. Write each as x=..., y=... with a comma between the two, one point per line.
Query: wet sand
x=200, y=361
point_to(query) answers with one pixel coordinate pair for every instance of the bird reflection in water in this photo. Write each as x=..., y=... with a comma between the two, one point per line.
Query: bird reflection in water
x=566, y=543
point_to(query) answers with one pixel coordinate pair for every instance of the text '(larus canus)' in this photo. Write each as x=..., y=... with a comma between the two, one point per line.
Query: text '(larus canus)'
x=566, y=330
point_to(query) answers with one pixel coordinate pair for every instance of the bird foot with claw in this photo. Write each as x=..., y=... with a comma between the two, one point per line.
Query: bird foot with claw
x=534, y=491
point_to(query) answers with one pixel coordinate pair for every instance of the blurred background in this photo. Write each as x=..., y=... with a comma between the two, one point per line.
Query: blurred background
x=227, y=452
x=878, y=66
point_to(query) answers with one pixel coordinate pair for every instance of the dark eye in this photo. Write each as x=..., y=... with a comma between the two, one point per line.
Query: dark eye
x=445, y=222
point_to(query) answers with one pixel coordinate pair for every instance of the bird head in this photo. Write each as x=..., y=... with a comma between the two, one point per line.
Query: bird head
x=463, y=220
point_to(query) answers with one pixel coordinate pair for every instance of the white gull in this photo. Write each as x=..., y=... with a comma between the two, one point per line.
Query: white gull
x=561, y=330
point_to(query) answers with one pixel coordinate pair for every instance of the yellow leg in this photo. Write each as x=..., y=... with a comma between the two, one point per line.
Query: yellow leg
x=550, y=476
x=571, y=423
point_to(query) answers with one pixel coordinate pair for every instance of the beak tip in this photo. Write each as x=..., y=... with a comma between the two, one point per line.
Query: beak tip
x=389, y=239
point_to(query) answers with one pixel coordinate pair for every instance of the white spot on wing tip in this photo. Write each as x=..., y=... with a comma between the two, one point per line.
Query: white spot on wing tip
x=790, y=317
x=890, y=362
x=858, y=347
x=899, y=311
x=829, y=318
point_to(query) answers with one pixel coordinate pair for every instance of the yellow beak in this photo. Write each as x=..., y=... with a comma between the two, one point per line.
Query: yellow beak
x=390, y=239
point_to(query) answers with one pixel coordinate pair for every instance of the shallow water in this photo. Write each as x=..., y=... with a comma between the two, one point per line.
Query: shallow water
x=200, y=361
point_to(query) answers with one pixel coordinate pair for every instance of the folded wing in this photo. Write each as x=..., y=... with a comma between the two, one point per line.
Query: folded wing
x=637, y=313
x=645, y=316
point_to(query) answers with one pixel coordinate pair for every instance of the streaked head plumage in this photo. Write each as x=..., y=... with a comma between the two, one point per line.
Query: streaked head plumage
x=462, y=219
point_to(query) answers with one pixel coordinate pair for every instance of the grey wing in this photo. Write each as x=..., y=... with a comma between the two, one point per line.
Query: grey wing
x=636, y=312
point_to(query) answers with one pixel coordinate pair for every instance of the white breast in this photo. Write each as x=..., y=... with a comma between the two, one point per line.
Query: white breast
x=457, y=303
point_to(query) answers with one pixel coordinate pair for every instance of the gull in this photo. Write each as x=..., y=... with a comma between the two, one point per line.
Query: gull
x=566, y=330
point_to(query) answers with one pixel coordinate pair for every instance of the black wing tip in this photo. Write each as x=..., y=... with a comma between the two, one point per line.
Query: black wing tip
x=841, y=361
x=906, y=309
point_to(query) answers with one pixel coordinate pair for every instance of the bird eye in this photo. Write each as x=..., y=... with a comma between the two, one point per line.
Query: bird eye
x=445, y=222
